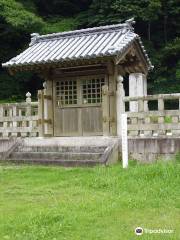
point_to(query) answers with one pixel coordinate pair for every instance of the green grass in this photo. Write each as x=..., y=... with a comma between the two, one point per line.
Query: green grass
x=104, y=203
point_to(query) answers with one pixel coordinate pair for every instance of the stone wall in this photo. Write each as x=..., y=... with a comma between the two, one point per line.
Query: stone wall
x=150, y=149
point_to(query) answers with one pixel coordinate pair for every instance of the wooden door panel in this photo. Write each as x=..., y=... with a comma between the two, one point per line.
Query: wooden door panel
x=92, y=121
x=67, y=122
x=70, y=121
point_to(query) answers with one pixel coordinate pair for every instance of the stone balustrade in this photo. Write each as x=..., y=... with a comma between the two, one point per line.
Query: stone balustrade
x=23, y=119
x=19, y=119
x=154, y=122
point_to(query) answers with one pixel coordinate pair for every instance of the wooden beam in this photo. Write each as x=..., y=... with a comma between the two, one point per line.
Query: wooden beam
x=121, y=56
x=11, y=71
x=121, y=70
x=65, y=64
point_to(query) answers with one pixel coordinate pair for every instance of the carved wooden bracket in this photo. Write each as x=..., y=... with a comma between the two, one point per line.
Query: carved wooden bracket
x=105, y=119
x=112, y=119
x=48, y=97
x=105, y=91
x=108, y=119
x=39, y=96
x=111, y=93
x=108, y=93
x=42, y=121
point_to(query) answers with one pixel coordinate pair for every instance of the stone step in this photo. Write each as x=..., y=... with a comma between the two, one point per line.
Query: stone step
x=87, y=149
x=62, y=162
x=68, y=152
x=56, y=155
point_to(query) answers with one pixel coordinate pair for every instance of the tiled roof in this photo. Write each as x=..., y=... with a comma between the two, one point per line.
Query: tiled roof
x=80, y=44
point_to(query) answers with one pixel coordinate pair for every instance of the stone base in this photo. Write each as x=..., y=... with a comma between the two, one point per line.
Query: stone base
x=66, y=151
x=144, y=149
x=70, y=141
x=151, y=149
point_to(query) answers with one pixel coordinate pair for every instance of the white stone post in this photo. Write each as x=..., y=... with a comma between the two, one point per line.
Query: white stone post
x=137, y=88
x=28, y=97
x=1, y=116
x=1, y=111
x=14, y=112
x=29, y=113
x=10, y=115
x=5, y=124
x=28, y=101
x=124, y=140
x=120, y=105
x=145, y=91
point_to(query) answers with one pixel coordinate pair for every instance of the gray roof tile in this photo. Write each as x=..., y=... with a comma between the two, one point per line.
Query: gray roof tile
x=80, y=44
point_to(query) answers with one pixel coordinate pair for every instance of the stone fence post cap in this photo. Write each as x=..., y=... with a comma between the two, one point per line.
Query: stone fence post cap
x=28, y=94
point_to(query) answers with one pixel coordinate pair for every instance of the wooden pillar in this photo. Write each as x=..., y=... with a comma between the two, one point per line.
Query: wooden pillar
x=112, y=75
x=120, y=105
x=48, y=109
x=105, y=110
x=41, y=112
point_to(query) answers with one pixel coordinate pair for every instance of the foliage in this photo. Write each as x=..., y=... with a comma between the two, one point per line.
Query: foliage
x=59, y=25
x=14, y=14
x=167, y=78
x=102, y=203
x=64, y=8
x=157, y=22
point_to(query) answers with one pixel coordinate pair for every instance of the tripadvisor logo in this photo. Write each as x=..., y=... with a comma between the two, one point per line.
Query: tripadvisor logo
x=138, y=231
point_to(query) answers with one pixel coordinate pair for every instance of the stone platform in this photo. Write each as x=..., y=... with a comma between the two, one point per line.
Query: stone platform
x=66, y=151
x=87, y=151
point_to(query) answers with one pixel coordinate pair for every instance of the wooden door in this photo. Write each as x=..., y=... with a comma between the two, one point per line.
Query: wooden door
x=78, y=107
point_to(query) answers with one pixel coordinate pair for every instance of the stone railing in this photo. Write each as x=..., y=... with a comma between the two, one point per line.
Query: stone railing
x=19, y=119
x=143, y=121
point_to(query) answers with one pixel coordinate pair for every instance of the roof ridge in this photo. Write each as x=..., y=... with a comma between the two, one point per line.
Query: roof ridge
x=35, y=37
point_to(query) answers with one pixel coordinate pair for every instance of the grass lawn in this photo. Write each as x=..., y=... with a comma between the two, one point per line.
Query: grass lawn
x=103, y=203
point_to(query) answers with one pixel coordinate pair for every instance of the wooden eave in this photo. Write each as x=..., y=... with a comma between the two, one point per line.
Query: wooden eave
x=64, y=64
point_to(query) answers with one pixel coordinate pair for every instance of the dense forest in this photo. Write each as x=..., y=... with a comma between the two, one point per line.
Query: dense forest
x=157, y=22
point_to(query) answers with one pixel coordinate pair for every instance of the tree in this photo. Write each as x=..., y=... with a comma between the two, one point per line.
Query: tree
x=14, y=14
x=157, y=22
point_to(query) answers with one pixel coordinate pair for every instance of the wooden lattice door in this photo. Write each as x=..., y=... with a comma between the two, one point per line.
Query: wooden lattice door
x=78, y=107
